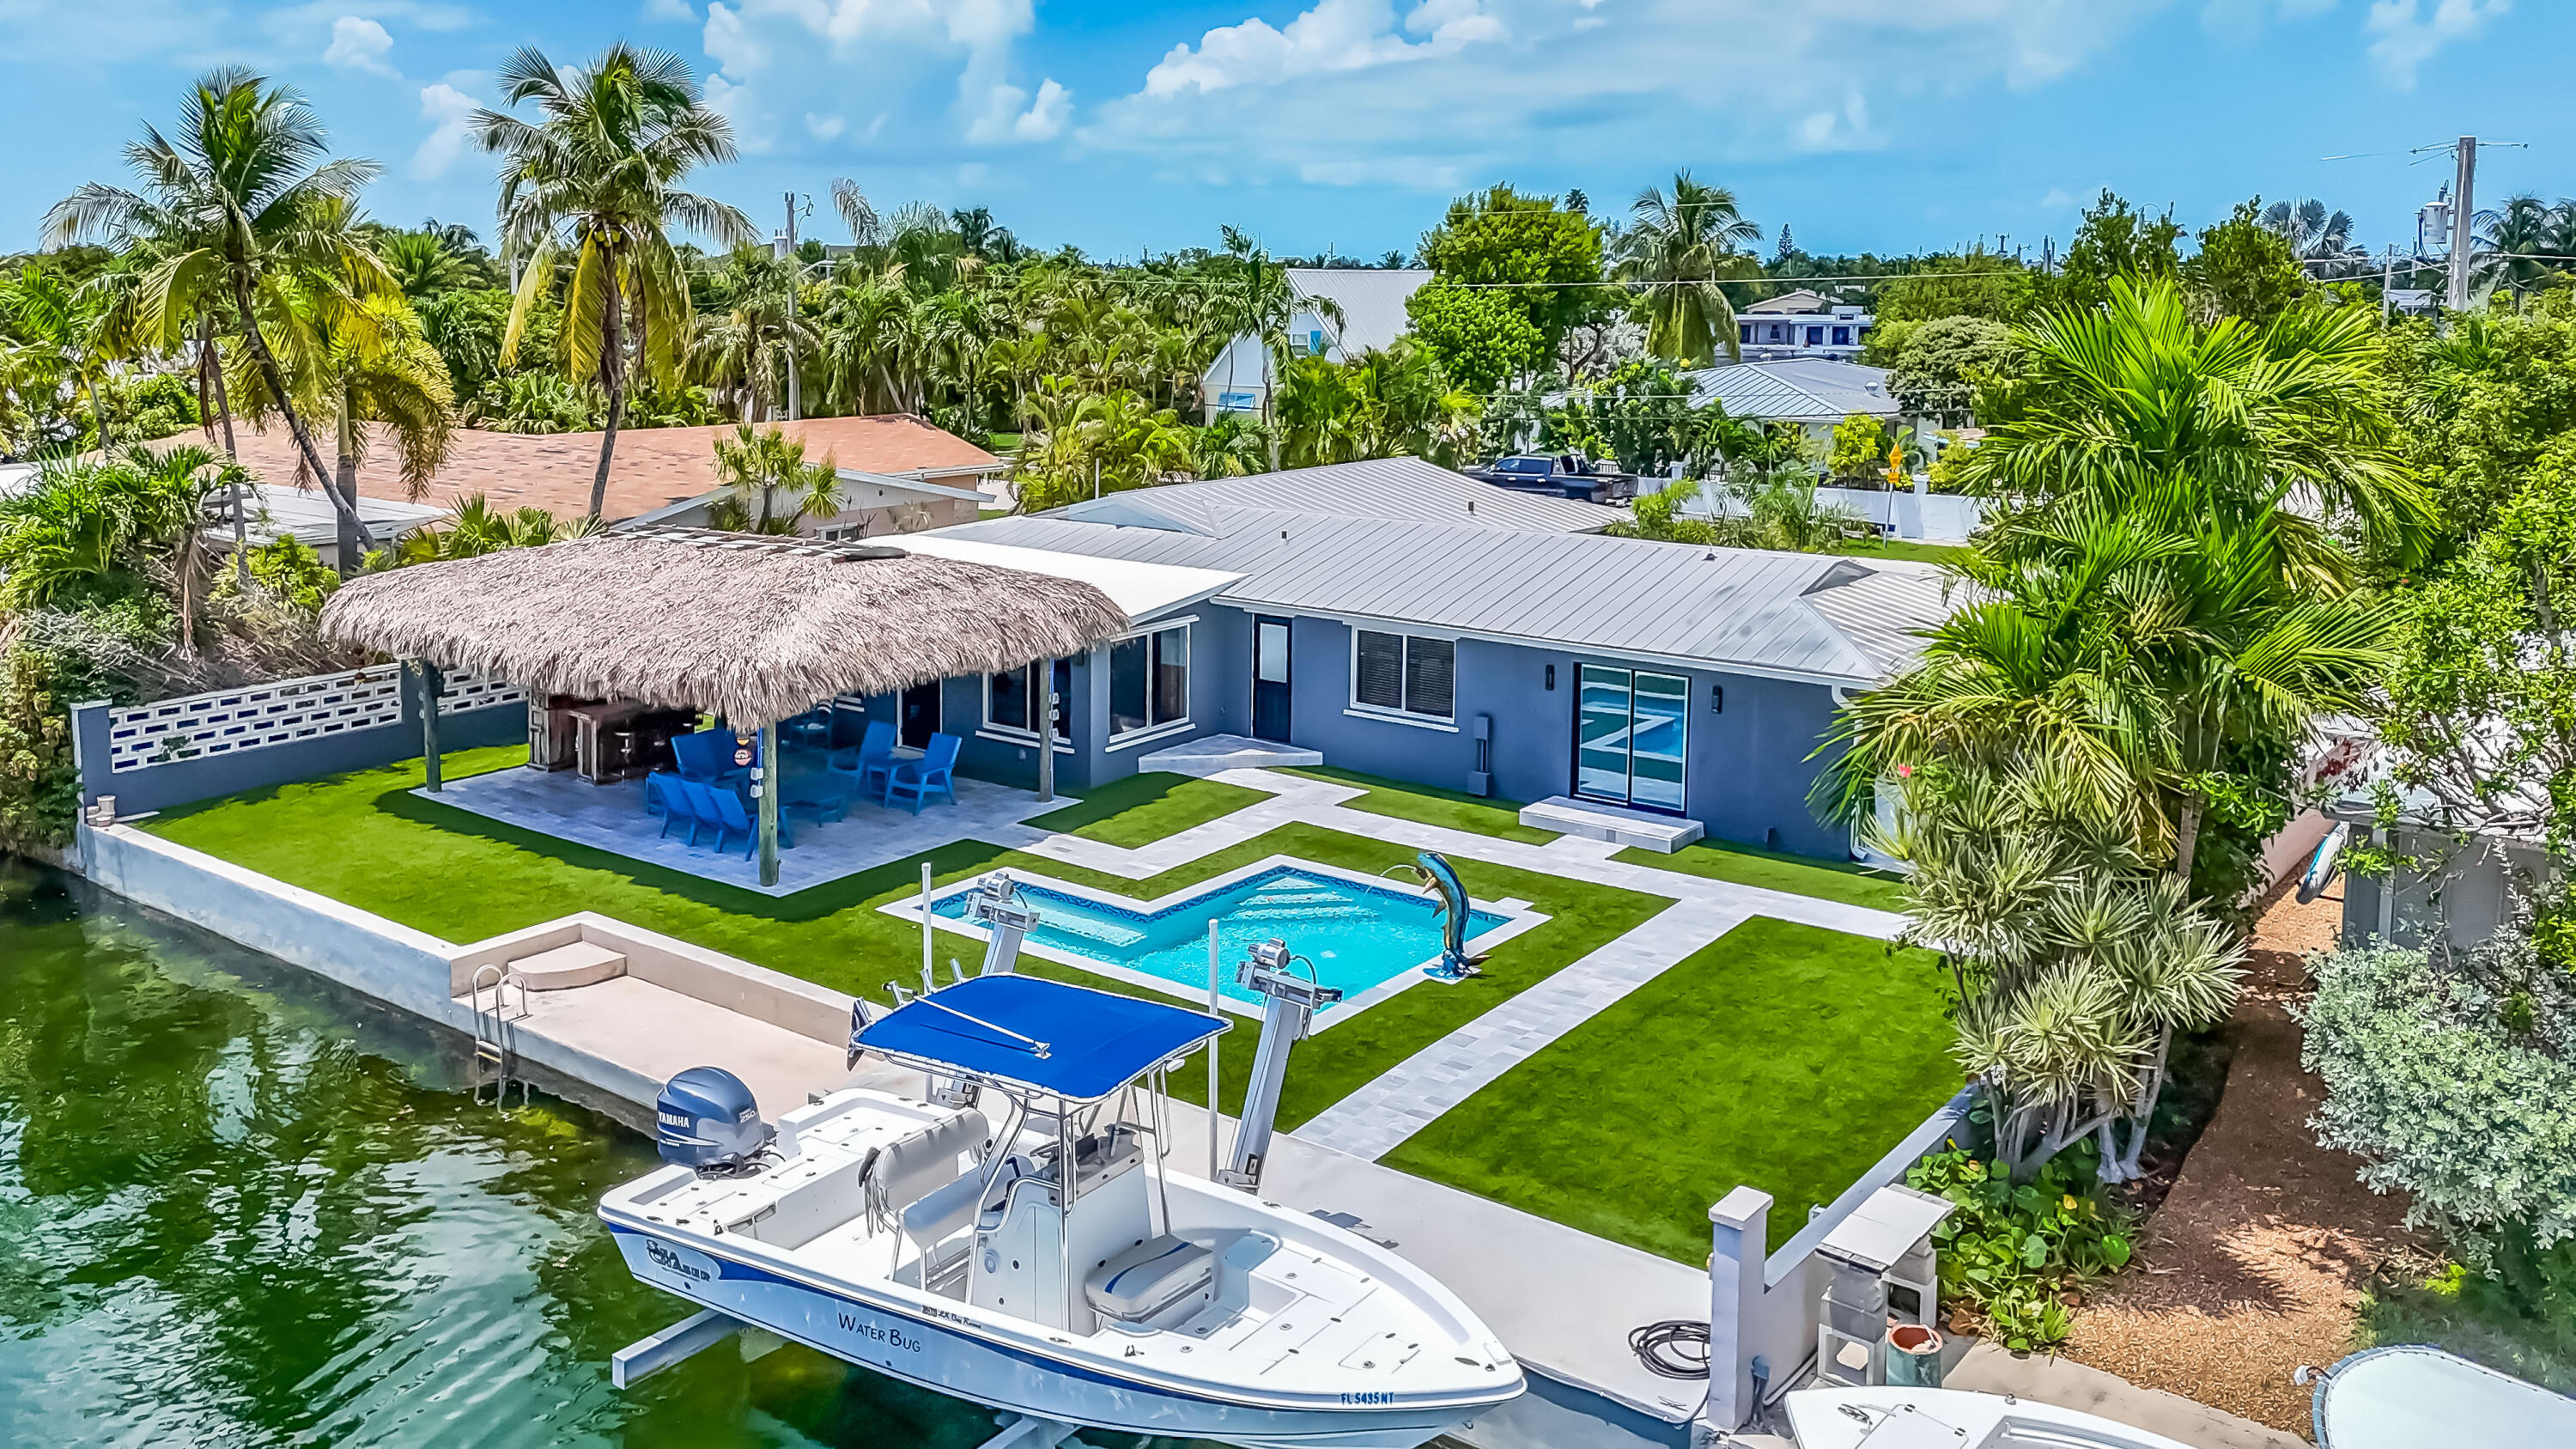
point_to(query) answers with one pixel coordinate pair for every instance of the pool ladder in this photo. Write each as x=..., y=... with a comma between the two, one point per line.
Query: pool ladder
x=492, y=1034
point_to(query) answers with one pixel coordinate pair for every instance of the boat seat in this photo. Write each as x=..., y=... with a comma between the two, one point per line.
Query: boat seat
x=934, y=1217
x=1148, y=1278
x=919, y=1165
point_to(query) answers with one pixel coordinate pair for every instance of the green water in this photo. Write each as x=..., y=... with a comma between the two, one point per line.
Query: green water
x=239, y=1206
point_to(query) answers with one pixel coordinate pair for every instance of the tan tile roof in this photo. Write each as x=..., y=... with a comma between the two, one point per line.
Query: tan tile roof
x=653, y=467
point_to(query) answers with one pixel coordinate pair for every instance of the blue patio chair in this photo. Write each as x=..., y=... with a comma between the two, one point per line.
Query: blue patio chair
x=658, y=792
x=874, y=756
x=706, y=757
x=918, y=780
x=722, y=811
x=679, y=807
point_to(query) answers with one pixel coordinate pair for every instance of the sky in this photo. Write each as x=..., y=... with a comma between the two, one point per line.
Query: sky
x=1122, y=126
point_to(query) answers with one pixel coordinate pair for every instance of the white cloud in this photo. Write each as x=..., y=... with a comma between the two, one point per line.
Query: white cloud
x=731, y=45
x=666, y=12
x=2403, y=37
x=825, y=128
x=358, y=43
x=1509, y=87
x=2243, y=20
x=2060, y=199
x=1003, y=118
x=449, y=111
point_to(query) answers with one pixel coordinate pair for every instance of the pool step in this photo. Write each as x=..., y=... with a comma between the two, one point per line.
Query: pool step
x=1089, y=928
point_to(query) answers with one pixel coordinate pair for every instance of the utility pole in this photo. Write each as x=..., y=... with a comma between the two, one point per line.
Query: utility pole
x=795, y=395
x=2463, y=207
x=2388, y=279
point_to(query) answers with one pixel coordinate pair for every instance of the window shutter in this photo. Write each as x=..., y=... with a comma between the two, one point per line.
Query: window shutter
x=1381, y=670
x=1430, y=670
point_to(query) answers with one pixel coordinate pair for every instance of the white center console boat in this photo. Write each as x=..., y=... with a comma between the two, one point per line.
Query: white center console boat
x=1011, y=1236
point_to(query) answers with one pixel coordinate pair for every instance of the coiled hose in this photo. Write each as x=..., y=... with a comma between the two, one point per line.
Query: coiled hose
x=1676, y=1348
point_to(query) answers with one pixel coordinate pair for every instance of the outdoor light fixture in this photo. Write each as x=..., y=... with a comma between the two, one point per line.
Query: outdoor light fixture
x=1551, y=676
x=1717, y=699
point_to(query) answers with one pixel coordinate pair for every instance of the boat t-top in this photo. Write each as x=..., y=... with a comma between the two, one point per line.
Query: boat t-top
x=1012, y=1235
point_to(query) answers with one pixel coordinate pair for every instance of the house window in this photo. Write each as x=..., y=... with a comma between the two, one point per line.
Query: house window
x=1747, y=331
x=1404, y=674
x=1815, y=337
x=1012, y=701
x=1149, y=681
x=1842, y=337
x=1779, y=332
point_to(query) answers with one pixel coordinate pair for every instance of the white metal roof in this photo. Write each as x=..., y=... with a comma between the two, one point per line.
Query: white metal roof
x=1371, y=298
x=1397, y=489
x=305, y=513
x=1794, y=390
x=1140, y=589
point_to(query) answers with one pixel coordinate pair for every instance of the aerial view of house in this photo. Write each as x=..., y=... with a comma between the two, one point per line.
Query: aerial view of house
x=1461, y=725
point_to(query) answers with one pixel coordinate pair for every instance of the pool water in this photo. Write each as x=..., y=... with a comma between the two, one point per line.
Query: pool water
x=1357, y=936
x=242, y=1207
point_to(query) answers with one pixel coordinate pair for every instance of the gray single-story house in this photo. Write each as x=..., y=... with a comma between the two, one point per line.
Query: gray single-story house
x=1402, y=620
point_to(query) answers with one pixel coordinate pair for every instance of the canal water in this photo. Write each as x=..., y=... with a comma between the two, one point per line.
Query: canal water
x=240, y=1206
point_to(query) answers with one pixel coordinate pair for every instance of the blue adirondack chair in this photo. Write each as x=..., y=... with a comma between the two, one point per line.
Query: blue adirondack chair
x=915, y=781
x=706, y=757
x=857, y=770
x=678, y=809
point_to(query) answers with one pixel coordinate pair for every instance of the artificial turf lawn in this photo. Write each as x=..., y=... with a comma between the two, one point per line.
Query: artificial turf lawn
x=1783, y=1056
x=1144, y=808
x=1823, y=880
x=365, y=839
x=1428, y=806
x=1902, y=548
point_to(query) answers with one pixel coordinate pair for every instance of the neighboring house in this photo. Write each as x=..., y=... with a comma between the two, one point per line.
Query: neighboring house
x=899, y=472
x=2466, y=884
x=1801, y=324
x=1818, y=392
x=279, y=510
x=1401, y=620
x=1371, y=303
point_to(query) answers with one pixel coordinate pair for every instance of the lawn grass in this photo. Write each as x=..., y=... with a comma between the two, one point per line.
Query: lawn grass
x=1780, y=1055
x=1143, y=808
x=365, y=839
x=1911, y=549
x=1750, y=865
x=1426, y=805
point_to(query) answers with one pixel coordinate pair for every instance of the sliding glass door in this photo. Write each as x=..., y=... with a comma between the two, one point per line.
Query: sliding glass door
x=1631, y=736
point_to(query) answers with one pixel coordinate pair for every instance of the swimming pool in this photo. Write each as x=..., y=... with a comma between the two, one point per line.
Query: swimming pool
x=1357, y=934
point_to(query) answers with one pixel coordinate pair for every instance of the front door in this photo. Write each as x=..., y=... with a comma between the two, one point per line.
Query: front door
x=920, y=715
x=1270, y=680
x=1631, y=737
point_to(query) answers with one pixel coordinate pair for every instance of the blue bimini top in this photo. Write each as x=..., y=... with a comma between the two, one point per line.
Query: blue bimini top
x=1066, y=1041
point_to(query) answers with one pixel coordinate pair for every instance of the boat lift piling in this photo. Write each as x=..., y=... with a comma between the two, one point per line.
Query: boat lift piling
x=1287, y=1017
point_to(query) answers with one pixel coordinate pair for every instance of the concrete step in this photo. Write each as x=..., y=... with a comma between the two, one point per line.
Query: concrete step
x=579, y=964
x=1591, y=820
x=1213, y=754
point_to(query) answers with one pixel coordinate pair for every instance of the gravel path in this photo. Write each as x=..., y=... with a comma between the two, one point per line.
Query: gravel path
x=2254, y=1263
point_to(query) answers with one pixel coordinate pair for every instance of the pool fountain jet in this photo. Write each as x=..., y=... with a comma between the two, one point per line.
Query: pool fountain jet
x=1432, y=871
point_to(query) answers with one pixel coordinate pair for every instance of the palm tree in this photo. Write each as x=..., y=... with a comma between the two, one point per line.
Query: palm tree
x=423, y=265
x=365, y=361
x=596, y=182
x=2522, y=242
x=2314, y=233
x=241, y=206
x=63, y=327
x=870, y=343
x=478, y=528
x=758, y=464
x=1678, y=249
x=1257, y=304
x=747, y=351
x=2120, y=399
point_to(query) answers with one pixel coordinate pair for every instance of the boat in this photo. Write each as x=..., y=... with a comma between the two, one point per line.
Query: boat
x=2407, y=1395
x=1011, y=1234
x=1889, y=1417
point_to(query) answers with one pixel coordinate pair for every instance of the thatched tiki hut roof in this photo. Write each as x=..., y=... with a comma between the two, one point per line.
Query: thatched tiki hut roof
x=753, y=628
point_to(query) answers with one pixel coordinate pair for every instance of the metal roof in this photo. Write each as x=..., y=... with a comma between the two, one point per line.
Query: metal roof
x=1803, y=616
x=1794, y=390
x=1371, y=299
x=1397, y=489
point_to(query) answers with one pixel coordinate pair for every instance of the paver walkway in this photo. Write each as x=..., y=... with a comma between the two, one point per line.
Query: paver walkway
x=1409, y=1096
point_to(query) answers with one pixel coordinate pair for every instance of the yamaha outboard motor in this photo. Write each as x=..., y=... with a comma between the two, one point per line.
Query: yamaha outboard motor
x=707, y=1119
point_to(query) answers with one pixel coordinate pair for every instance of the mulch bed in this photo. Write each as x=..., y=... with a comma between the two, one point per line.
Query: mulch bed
x=2253, y=1261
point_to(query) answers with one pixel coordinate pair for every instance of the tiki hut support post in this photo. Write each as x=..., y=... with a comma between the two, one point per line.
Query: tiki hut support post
x=1046, y=731
x=429, y=684
x=765, y=778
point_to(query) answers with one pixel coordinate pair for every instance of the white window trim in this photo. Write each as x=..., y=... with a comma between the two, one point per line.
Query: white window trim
x=1351, y=701
x=1388, y=716
x=1146, y=736
x=1143, y=733
x=991, y=730
x=1005, y=735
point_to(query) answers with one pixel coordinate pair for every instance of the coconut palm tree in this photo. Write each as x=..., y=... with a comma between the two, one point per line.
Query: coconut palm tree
x=746, y=352
x=2521, y=243
x=870, y=342
x=240, y=206
x=1677, y=248
x=65, y=330
x=759, y=464
x=358, y=362
x=595, y=182
x=423, y=265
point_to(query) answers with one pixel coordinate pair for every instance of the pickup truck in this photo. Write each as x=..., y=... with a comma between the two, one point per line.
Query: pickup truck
x=1570, y=475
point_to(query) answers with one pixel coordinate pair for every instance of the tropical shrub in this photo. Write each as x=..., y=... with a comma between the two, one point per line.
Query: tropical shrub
x=2451, y=1079
x=2014, y=1250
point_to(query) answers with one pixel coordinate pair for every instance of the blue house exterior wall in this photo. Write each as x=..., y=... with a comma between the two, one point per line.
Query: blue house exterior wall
x=1747, y=780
